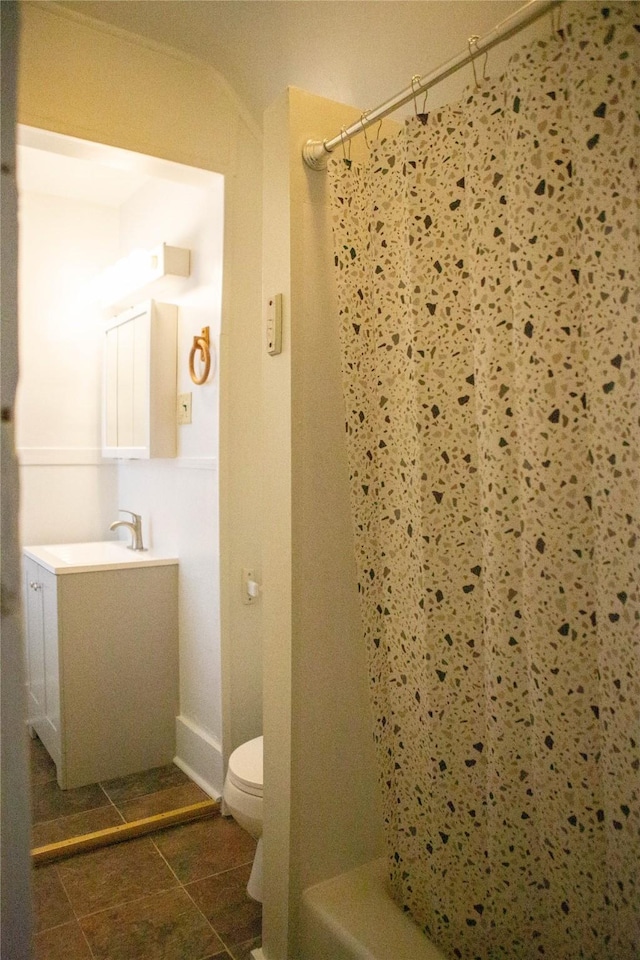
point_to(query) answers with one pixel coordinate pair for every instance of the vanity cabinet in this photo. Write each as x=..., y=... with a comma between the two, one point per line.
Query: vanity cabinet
x=140, y=383
x=102, y=664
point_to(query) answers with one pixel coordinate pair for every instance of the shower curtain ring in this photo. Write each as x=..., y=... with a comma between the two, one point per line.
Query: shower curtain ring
x=415, y=79
x=363, y=120
x=343, y=138
x=473, y=40
x=422, y=116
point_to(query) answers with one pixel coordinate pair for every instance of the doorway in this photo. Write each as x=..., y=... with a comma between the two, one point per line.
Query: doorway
x=82, y=207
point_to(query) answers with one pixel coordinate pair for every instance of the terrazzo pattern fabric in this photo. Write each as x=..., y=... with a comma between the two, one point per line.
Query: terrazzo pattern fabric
x=487, y=263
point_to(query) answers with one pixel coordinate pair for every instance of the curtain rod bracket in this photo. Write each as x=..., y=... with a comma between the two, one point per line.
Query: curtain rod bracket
x=316, y=153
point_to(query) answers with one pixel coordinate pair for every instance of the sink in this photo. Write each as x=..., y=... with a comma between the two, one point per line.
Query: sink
x=62, y=558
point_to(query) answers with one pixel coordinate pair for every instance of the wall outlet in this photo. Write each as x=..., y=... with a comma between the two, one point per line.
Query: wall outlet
x=184, y=408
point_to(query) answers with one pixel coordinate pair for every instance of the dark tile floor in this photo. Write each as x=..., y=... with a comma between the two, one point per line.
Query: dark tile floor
x=178, y=894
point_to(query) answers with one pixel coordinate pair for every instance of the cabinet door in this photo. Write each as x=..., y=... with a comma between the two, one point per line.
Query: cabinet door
x=139, y=415
x=51, y=658
x=34, y=636
x=127, y=385
x=43, y=674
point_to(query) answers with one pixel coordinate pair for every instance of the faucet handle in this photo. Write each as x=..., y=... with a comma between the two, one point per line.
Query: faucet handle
x=135, y=525
x=134, y=516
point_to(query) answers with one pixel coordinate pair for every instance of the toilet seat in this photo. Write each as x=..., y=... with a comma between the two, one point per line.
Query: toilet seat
x=245, y=767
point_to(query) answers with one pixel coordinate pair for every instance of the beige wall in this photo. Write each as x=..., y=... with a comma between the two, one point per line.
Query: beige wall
x=97, y=83
x=321, y=809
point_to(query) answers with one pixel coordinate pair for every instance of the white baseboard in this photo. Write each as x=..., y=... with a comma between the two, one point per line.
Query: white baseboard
x=199, y=755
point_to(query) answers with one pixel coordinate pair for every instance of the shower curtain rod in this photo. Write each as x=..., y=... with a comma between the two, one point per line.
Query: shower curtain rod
x=316, y=152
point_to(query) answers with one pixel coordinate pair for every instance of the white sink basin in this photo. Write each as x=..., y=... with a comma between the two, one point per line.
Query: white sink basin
x=102, y=555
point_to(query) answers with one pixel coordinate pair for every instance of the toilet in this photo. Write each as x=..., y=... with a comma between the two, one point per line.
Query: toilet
x=242, y=799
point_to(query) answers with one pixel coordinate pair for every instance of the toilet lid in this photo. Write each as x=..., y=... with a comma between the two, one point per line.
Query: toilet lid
x=245, y=767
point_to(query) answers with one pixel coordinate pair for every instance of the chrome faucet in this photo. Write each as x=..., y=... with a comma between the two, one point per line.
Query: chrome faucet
x=134, y=525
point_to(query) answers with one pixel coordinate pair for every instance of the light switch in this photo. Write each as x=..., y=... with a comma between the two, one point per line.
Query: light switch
x=274, y=324
x=184, y=408
x=250, y=586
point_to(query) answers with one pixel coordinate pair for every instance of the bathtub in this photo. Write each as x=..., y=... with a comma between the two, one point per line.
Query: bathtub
x=352, y=917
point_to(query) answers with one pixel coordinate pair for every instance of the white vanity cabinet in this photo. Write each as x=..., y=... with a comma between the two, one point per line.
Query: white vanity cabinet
x=102, y=660
x=140, y=383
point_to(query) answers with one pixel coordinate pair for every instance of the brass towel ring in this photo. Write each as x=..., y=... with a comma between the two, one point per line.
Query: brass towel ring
x=200, y=345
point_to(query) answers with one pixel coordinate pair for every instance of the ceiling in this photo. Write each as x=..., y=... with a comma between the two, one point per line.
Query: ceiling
x=54, y=174
x=56, y=165
x=359, y=52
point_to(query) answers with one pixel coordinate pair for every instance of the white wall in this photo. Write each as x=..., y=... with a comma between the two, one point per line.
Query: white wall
x=178, y=499
x=67, y=495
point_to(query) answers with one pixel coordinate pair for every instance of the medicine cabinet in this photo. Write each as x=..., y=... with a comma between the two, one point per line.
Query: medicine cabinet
x=140, y=382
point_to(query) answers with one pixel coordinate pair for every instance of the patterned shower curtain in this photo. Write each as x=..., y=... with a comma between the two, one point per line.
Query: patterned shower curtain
x=487, y=262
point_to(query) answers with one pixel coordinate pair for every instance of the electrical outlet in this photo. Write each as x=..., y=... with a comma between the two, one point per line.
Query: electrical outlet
x=184, y=408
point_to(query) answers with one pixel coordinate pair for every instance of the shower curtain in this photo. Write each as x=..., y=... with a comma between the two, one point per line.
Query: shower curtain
x=487, y=264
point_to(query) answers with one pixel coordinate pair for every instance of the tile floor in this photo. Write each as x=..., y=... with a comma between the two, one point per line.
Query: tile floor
x=178, y=894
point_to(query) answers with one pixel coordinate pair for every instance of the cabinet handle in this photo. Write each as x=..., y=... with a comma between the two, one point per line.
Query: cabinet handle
x=35, y=585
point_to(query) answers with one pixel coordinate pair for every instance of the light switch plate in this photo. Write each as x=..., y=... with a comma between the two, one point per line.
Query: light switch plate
x=184, y=408
x=274, y=325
